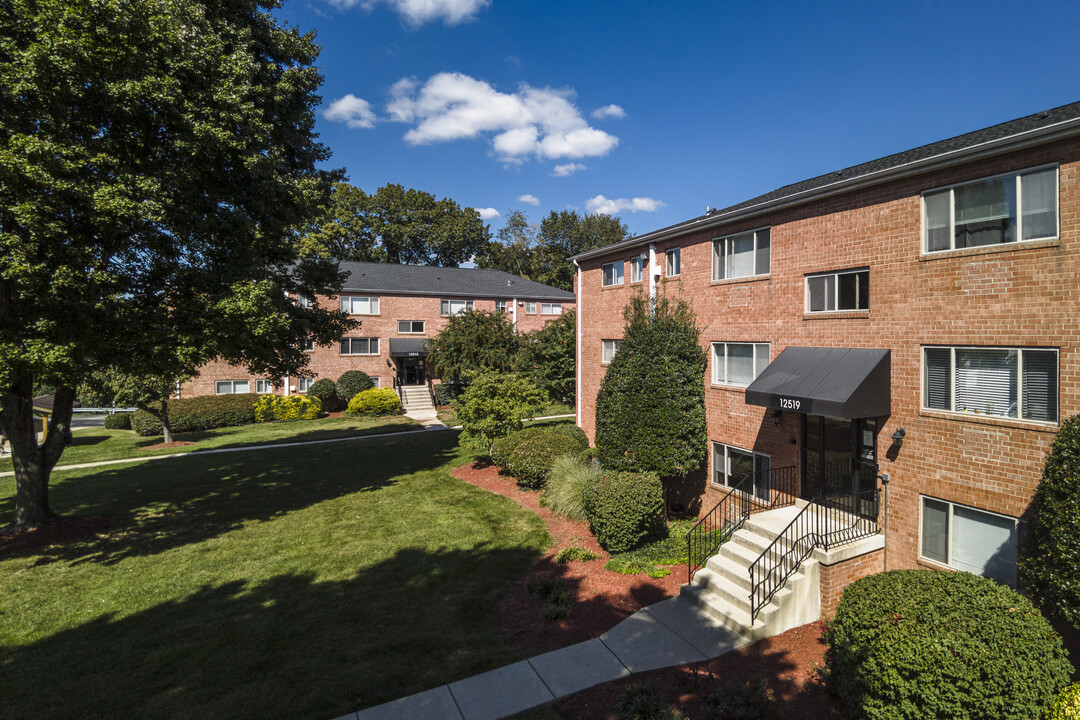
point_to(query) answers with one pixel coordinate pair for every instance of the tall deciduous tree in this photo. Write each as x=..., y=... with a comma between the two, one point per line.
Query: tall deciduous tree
x=547, y=356
x=473, y=342
x=395, y=225
x=156, y=161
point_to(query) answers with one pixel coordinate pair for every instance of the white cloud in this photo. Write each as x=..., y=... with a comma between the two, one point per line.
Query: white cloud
x=351, y=110
x=601, y=204
x=418, y=12
x=488, y=213
x=567, y=169
x=609, y=111
x=527, y=198
x=533, y=121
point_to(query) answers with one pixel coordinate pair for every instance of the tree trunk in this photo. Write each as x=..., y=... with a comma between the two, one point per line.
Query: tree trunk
x=166, y=428
x=33, y=464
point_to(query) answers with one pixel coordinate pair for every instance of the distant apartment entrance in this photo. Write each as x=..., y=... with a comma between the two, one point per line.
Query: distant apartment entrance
x=411, y=371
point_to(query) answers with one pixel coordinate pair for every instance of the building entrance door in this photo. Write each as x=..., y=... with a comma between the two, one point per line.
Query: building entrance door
x=411, y=371
x=839, y=460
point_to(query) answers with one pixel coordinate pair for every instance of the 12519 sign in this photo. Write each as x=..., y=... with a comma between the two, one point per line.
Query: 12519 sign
x=790, y=404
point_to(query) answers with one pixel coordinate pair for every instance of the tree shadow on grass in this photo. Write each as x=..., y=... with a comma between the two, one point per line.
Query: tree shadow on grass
x=288, y=647
x=186, y=499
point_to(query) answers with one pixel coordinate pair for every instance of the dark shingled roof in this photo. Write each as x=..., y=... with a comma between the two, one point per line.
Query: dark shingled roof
x=968, y=142
x=445, y=282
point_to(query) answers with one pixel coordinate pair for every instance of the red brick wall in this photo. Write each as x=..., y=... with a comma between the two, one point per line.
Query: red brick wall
x=328, y=362
x=1020, y=294
x=834, y=578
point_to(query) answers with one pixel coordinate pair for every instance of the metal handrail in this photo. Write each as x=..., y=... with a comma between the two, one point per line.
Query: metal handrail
x=824, y=523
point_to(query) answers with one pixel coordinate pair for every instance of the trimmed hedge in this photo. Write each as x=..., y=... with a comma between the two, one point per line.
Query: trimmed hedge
x=269, y=408
x=352, y=382
x=199, y=413
x=501, y=448
x=530, y=461
x=326, y=391
x=118, y=421
x=926, y=644
x=625, y=509
x=376, y=401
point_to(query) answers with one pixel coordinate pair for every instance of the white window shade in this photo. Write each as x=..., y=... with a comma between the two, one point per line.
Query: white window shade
x=1039, y=202
x=984, y=544
x=986, y=381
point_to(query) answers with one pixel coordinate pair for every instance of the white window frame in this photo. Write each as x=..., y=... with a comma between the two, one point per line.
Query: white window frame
x=370, y=341
x=264, y=387
x=304, y=301
x=673, y=262
x=836, y=290
x=719, y=256
x=412, y=324
x=949, y=530
x=1019, y=417
x=308, y=345
x=1019, y=235
x=500, y=306
x=359, y=305
x=720, y=369
x=551, y=308
x=232, y=387
x=608, y=348
x=637, y=267
x=530, y=308
x=446, y=307
x=616, y=274
x=756, y=457
x=304, y=384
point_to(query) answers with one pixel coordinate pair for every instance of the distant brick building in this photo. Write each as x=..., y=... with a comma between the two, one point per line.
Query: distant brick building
x=916, y=316
x=398, y=307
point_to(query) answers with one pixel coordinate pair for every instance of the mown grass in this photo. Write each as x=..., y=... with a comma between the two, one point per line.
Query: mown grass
x=99, y=444
x=280, y=583
x=448, y=416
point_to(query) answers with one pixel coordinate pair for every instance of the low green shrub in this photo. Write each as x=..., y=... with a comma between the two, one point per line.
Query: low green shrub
x=750, y=700
x=118, y=421
x=447, y=392
x=502, y=447
x=564, y=492
x=644, y=702
x=376, y=401
x=352, y=382
x=923, y=643
x=326, y=391
x=652, y=557
x=269, y=408
x=1067, y=705
x=199, y=413
x=570, y=554
x=572, y=431
x=552, y=591
x=530, y=461
x=625, y=509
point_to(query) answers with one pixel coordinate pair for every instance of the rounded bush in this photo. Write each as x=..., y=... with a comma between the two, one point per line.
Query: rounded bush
x=375, y=401
x=447, y=392
x=326, y=391
x=504, y=446
x=1067, y=705
x=924, y=644
x=352, y=382
x=625, y=509
x=269, y=408
x=118, y=421
x=572, y=431
x=530, y=461
x=199, y=413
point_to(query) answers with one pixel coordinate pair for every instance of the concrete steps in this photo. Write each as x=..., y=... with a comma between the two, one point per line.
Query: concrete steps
x=416, y=397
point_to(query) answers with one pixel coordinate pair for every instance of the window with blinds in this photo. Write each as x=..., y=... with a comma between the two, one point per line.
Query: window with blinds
x=968, y=539
x=998, y=382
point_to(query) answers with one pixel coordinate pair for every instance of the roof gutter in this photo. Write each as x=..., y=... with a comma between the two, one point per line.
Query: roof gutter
x=990, y=148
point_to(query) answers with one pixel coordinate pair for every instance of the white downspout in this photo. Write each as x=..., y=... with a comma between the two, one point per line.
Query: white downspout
x=577, y=347
x=513, y=309
x=654, y=272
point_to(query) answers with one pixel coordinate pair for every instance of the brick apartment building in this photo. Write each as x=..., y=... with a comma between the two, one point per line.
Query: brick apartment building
x=398, y=306
x=917, y=316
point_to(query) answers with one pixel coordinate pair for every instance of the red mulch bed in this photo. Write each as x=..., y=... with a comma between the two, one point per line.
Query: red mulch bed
x=160, y=446
x=62, y=529
x=603, y=598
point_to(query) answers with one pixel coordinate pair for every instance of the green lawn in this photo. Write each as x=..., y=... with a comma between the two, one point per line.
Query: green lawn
x=283, y=583
x=101, y=444
x=449, y=416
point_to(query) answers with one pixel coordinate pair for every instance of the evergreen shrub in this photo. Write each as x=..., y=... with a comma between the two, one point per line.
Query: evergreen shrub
x=326, y=391
x=376, y=401
x=269, y=408
x=625, y=509
x=1048, y=563
x=930, y=644
x=199, y=413
x=447, y=392
x=531, y=459
x=1067, y=705
x=352, y=382
x=118, y=421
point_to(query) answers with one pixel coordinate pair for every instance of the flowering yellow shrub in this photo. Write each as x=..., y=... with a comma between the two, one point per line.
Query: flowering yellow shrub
x=294, y=407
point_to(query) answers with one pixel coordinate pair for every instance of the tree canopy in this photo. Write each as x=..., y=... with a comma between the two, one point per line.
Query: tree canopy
x=547, y=356
x=158, y=161
x=395, y=225
x=473, y=342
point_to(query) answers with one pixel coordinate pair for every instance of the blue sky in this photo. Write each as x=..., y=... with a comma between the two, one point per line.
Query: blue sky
x=653, y=110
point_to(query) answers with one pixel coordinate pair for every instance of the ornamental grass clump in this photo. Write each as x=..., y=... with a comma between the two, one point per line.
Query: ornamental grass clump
x=910, y=644
x=564, y=493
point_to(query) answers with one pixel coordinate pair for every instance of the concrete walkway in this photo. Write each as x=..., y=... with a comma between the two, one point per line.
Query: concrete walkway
x=672, y=632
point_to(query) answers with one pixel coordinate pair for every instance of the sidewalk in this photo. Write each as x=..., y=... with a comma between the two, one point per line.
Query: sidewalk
x=672, y=632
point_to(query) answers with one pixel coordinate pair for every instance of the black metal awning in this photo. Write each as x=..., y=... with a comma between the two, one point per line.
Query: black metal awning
x=843, y=383
x=408, y=347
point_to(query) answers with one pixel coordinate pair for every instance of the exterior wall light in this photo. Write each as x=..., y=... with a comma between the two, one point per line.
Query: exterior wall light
x=899, y=435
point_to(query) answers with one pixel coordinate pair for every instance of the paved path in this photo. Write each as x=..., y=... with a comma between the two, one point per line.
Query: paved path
x=672, y=632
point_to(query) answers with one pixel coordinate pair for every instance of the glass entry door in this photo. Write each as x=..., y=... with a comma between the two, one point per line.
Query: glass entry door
x=411, y=371
x=839, y=458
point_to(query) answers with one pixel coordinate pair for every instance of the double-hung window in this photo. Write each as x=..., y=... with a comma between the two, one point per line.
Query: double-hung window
x=734, y=466
x=360, y=346
x=674, y=261
x=551, y=308
x=743, y=255
x=230, y=387
x=530, y=308
x=264, y=386
x=307, y=344
x=305, y=384
x=410, y=326
x=613, y=273
x=968, y=539
x=1001, y=209
x=1019, y=383
x=454, y=307
x=610, y=347
x=637, y=267
x=736, y=363
x=846, y=290
x=359, y=305
x=500, y=306
x=304, y=301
